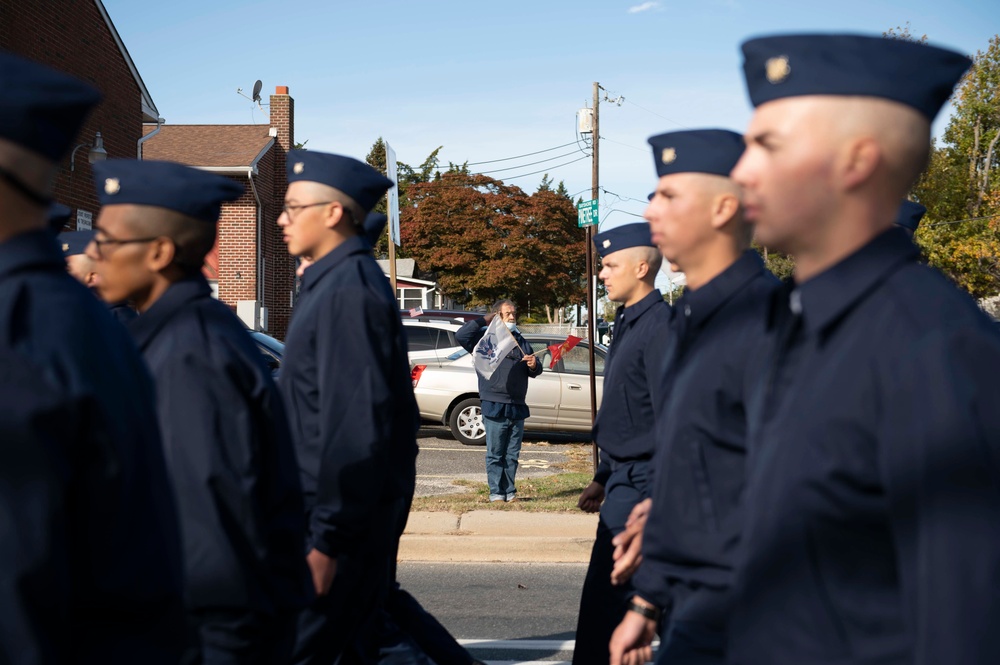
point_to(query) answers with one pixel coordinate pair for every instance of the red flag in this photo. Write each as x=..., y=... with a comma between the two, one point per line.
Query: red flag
x=559, y=349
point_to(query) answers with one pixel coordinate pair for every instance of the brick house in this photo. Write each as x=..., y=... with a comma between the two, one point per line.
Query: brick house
x=78, y=37
x=250, y=266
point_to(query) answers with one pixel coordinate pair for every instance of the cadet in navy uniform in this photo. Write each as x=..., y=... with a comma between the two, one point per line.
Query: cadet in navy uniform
x=229, y=451
x=872, y=531
x=693, y=527
x=74, y=246
x=403, y=609
x=624, y=427
x=346, y=386
x=909, y=215
x=91, y=569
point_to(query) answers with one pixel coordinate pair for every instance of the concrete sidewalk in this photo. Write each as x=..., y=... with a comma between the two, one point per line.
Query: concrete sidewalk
x=494, y=535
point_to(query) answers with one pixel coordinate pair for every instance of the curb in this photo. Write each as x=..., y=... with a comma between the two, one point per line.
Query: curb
x=485, y=536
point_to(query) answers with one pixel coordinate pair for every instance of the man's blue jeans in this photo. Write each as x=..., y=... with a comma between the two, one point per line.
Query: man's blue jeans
x=503, y=446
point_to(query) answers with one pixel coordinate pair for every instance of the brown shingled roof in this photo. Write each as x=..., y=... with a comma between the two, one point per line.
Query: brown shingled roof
x=206, y=145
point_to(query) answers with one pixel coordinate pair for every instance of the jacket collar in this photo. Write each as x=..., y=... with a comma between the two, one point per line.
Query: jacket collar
x=633, y=312
x=824, y=299
x=698, y=306
x=146, y=326
x=315, y=272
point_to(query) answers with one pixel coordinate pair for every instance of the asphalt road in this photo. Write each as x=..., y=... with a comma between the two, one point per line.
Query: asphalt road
x=442, y=459
x=496, y=602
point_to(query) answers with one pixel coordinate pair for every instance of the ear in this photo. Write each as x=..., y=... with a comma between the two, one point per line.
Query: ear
x=858, y=162
x=641, y=270
x=333, y=215
x=161, y=254
x=724, y=208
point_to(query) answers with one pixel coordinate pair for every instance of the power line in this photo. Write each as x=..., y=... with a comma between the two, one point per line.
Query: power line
x=605, y=138
x=528, y=154
x=513, y=177
x=656, y=114
x=519, y=166
x=625, y=198
x=961, y=221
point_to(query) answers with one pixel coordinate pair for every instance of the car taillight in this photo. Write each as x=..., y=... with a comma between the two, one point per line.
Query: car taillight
x=416, y=372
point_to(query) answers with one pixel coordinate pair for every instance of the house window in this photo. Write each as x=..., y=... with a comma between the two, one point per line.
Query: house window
x=410, y=298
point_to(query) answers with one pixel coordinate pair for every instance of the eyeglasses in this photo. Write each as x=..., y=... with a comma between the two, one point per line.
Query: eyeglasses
x=99, y=243
x=289, y=209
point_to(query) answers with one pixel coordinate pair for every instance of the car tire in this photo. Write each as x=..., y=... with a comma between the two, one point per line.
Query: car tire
x=466, y=422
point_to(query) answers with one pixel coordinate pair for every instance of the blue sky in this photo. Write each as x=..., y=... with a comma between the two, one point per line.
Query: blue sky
x=493, y=80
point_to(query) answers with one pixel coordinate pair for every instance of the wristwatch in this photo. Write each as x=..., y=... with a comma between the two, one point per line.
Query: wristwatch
x=651, y=613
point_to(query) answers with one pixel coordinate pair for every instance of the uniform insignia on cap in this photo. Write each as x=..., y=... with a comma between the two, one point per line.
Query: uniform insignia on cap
x=778, y=69
x=607, y=243
x=669, y=155
x=65, y=246
x=298, y=168
x=112, y=186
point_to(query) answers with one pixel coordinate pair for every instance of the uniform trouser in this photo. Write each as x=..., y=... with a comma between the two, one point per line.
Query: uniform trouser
x=237, y=637
x=345, y=625
x=692, y=643
x=602, y=605
x=426, y=632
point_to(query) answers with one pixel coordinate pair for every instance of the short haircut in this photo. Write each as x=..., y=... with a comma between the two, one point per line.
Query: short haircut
x=193, y=239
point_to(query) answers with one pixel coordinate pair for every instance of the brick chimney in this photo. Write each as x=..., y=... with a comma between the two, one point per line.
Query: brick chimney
x=283, y=117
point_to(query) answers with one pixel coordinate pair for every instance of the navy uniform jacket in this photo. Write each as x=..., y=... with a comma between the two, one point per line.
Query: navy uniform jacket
x=90, y=567
x=691, y=536
x=229, y=455
x=123, y=313
x=873, y=504
x=509, y=382
x=624, y=427
x=347, y=389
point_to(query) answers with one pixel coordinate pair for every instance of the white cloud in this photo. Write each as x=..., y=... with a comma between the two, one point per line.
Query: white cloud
x=644, y=7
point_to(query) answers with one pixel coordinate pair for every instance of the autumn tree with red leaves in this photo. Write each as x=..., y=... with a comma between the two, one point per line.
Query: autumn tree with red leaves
x=484, y=240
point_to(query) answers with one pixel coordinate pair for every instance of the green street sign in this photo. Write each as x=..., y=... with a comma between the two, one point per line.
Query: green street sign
x=586, y=213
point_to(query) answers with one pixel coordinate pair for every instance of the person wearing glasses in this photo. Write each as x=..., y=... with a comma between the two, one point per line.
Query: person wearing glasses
x=346, y=385
x=90, y=567
x=221, y=417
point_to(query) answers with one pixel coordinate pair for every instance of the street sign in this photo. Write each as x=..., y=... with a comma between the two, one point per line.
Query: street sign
x=586, y=213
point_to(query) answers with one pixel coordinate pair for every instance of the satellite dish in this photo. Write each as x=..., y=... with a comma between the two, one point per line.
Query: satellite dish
x=256, y=90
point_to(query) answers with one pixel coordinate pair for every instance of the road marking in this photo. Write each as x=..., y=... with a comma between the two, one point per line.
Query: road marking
x=454, y=477
x=533, y=464
x=482, y=450
x=528, y=662
x=527, y=645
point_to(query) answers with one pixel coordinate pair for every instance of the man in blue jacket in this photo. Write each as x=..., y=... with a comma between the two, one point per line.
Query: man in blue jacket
x=502, y=395
x=229, y=452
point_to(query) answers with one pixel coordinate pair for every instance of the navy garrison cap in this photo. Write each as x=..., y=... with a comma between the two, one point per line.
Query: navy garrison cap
x=191, y=192
x=623, y=237
x=374, y=225
x=354, y=178
x=917, y=75
x=711, y=151
x=42, y=109
x=75, y=242
x=59, y=214
x=909, y=215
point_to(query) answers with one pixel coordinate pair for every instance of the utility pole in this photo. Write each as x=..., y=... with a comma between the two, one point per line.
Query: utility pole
x=591, y=305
